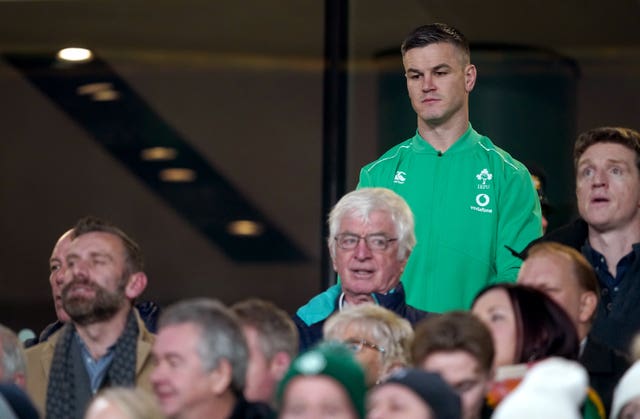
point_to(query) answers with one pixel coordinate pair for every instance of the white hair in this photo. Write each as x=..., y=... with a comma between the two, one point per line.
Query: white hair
x=362, y=203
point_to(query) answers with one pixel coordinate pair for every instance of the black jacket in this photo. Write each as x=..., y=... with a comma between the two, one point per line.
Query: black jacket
x=605, y=367
x=395, y=301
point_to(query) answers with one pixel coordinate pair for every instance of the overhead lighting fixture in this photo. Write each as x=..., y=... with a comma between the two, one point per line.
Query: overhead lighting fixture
x=99, y=92
x=105, y=96
x=158, y=154
x=177, y=175
x=245, y=228
x=93, y=88
x=75, y=55
x=127, y=127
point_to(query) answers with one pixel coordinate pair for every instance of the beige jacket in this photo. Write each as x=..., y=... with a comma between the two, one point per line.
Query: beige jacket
x=39, y=360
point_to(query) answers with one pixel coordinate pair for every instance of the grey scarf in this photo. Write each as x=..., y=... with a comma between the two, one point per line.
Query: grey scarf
x=61, y=391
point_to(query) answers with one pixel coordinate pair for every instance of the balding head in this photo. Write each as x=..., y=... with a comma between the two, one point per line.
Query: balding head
x=567, y=277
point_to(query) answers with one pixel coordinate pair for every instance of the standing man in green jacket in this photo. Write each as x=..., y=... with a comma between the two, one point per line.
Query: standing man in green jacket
x=472, y=201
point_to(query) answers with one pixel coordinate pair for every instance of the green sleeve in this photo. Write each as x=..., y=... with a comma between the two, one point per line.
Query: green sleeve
x=520, y=222
x=365, y=179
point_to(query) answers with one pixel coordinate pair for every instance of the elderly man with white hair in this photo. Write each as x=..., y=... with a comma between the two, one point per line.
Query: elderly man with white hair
x=371, y=235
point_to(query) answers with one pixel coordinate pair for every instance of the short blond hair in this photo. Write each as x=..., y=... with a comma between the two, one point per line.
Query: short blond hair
x=136, y=403
x=389, y=330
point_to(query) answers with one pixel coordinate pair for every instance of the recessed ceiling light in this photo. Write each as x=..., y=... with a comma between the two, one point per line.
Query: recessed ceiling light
x=245, y=228
x=105, y=96
x=158, y=154
x=93, y=88
x=99, y=92
x=76, y=55
x=177, y=175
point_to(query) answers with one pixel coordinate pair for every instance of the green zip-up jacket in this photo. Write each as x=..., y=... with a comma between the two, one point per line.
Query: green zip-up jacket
x=469, y=203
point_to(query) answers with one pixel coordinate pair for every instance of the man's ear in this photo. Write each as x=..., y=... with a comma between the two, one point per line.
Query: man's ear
x=588, y=304
x=279, y=365
x=221, y=377
x=405, y=260
x=470, y=73
x=390, y=368
x=332, y=254
x=20, y=380
x=136, y=285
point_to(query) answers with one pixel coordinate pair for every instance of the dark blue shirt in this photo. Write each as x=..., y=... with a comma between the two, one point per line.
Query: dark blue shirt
x=608, y=283
x=96, y=369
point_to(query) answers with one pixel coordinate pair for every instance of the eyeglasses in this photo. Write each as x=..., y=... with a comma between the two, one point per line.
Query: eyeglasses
x=356, y=345
x=375, y=242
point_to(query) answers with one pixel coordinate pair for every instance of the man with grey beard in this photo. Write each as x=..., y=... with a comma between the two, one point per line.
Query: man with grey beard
x=105, y=343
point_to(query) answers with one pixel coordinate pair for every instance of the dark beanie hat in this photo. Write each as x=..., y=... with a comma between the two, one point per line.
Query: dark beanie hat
x=430, y=387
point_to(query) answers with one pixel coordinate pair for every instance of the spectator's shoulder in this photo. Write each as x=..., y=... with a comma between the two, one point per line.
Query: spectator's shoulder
x=573, y=235
x=319, y=307
x=394, y=153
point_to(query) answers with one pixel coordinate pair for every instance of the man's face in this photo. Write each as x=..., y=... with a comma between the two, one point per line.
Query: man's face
x=363, y=271
x=57, y=270
x=553, y=275
x=438, y=81
x=396, y=401
x=96, y=278
x=180, y=382
x=462, y=372
x=316, y=396
x=608, y=187
x=261, y=379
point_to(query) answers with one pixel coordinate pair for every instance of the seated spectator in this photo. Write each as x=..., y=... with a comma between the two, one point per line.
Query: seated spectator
x=539, y=178
x=413, y=393
x=325, y=381
x=459, y=347
x=379, y=338
x=57, y=269
x=371, y=235
x=201, y=361
x=13, y=366
x=518, y=335
x=607, y=168
x=526, y=326
x=567, y=277
x=626, y=398
x=123, y=403
x=272, y=339
x=105, y=343
x=553, y=388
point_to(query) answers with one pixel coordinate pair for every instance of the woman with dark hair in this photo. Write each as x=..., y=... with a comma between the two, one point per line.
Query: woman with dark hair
x=527, y=326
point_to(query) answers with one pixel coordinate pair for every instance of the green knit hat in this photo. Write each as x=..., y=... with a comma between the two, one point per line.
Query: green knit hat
x=335, y=361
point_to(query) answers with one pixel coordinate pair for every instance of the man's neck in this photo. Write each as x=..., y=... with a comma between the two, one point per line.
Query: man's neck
x=583, y=344
x=99, y=337
x=217, y=407
x=355, y=299
x=351, y=298
x=614, y=245
x=583, y=330
x=443, y=136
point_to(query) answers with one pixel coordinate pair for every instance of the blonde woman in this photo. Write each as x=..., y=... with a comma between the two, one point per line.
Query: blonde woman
x=379, y=338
